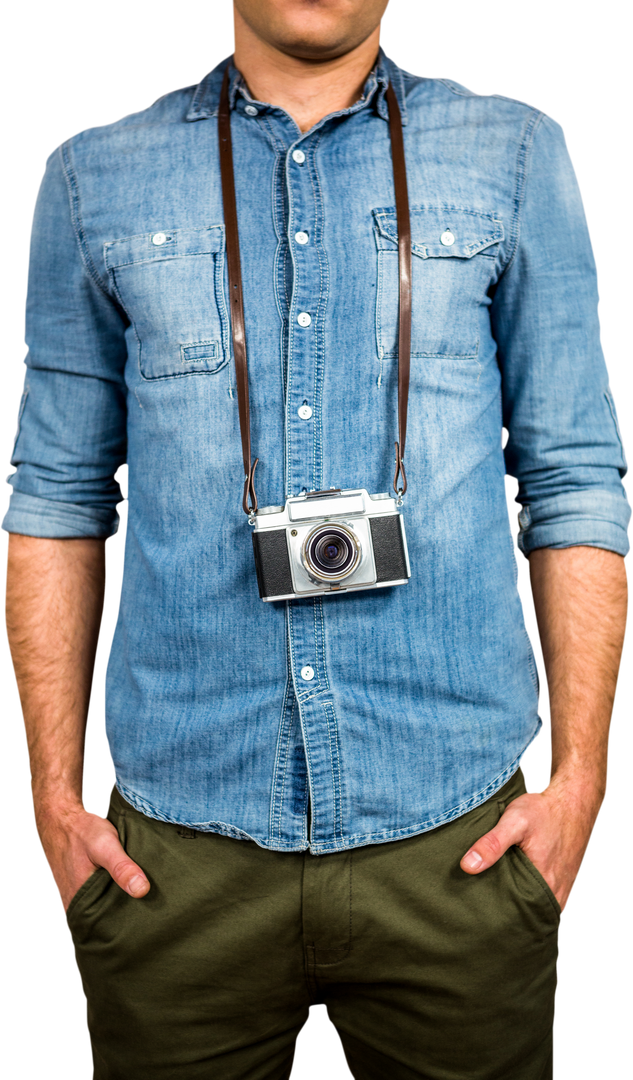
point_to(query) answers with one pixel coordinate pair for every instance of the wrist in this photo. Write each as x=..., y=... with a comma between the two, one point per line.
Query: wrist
x=54, y=802
x=578, y=787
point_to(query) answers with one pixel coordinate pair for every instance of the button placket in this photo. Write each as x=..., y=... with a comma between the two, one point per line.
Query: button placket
x=305, y=333
x=305, y=371
x=307, y=649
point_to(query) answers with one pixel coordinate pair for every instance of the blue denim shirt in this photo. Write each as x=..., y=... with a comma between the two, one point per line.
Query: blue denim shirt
x=424, y=695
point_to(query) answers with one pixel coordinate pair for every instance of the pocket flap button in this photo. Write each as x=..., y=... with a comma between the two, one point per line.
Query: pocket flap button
x=447, y=238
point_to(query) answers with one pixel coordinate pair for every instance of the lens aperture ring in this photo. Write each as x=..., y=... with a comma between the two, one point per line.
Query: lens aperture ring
x=331, y=552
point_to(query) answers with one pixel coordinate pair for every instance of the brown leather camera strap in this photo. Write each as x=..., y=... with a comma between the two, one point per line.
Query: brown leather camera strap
x=249, y=501
x=404, y=276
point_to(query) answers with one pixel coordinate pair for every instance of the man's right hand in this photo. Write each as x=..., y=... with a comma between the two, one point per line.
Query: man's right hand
x=76, y=843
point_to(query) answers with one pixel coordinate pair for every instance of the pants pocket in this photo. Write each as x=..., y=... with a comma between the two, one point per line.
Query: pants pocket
x=538, y=878
x=86, y=893
x=527, y=878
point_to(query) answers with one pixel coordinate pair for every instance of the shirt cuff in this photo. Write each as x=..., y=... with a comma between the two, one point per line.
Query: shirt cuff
x=33, y=516
x=593, y=517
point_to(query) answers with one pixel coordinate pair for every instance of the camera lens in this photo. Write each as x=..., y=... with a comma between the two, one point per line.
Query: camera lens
x=331, y=552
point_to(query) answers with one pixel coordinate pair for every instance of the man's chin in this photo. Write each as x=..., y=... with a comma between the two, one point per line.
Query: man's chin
x=317, y=55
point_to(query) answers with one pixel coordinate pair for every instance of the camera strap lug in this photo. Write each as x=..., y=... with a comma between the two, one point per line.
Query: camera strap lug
x=400, y=474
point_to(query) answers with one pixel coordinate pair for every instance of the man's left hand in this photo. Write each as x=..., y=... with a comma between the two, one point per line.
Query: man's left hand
x=552, y=828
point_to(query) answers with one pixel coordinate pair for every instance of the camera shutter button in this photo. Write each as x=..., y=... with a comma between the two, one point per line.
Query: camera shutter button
x=307, y=673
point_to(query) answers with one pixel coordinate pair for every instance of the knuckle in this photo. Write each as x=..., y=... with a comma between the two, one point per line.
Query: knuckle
x=493, y=844
x=121, y=869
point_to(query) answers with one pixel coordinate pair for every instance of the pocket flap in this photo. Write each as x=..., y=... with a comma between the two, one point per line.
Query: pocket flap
x=163, y=244
x=440, y=231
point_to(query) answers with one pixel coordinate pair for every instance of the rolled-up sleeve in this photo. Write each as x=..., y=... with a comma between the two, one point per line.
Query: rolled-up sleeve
x=564, y=445
x=72, y=425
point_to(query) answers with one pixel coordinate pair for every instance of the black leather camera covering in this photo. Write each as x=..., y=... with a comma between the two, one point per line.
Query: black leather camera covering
x=272, y=563
x=386, y=534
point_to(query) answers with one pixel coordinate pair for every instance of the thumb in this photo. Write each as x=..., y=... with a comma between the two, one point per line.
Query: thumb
x=127, y=874
x=489, y=848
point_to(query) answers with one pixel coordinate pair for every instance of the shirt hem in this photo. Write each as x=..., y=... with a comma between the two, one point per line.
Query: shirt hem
x=326, y=847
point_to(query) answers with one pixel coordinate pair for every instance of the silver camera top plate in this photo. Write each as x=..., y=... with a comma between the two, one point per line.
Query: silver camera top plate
x=325, y=504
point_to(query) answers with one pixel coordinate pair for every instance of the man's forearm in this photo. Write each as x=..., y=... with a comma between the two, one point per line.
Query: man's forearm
x=580, y=596
x=54, y=603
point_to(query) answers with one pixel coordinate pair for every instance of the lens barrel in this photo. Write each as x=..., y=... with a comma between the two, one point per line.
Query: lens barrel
x=331, y=552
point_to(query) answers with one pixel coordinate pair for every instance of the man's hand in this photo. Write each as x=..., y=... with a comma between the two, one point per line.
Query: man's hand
x=76, y=843
x=553, y=830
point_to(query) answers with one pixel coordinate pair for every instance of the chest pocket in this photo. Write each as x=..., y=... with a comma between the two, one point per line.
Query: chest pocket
x=171, y=285
x=454, y=253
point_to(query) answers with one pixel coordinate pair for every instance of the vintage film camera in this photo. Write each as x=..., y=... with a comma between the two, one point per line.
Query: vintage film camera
x=329, y=542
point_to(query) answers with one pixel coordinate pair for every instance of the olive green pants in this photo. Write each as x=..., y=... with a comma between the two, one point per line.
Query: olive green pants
x=427, y=973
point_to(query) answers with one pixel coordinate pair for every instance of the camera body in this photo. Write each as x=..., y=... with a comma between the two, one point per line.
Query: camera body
x=329, y=542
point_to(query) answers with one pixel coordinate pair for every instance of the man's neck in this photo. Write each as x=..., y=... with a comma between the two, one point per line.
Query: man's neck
x=308, y=90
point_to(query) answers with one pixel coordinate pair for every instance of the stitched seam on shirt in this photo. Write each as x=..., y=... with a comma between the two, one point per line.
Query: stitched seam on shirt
x=306, y=744
x=319, y=330
x=281, y=767
x=281, y=255
x=279, y=279
x=219, y=260
x=615, y=410
x=535, y=665
x=379, y=291
x=23, y=394
x=530, y=130
x=320, y=646
x=322, y=684
x=335, y=765
x=291, y=336
x=181, y=375
x=277, y=204
x=280, y=274
x=76, y=219
x=303, y=696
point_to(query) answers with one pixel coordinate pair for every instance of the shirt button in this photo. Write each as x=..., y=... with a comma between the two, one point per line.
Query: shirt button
x=305, y=412
x=298, y=156
x=304, y=319
x=158, y=238
x=250, y=110
x=307, y=673
x=447, y=238
x=301, y=237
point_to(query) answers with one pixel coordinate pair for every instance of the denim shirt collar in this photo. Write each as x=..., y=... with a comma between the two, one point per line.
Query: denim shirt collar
x=205, y=100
